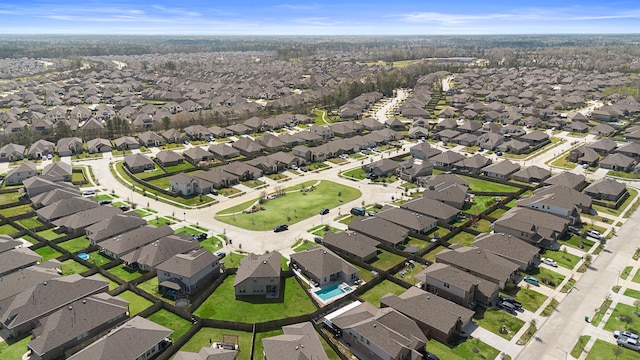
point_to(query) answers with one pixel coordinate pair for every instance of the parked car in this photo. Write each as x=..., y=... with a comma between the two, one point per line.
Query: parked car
x=199, y=237
x=548, y=261
x=431, y=356
x=510, y=300
x=629, y=334
x=324, y=211
x=88, y=193
x=532, y=280
x=104, y=202
x=303, y=169
x=499, y=153
x=594, y=233
x=318, y=239
x=507, y=306
x=281, y=227
x=220, y=254
x=186, y=142
x=574, y=230
x=629, y=343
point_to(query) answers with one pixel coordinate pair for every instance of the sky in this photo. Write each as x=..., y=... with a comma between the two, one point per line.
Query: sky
x=326, y=17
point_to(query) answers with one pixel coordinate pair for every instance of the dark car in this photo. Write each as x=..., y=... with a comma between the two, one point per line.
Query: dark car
x=199, y=237
x=431, y=356
x=281, y=227
x=318, y=239
x=104, y=202
x=510, y=300
x=324, y=211
x=220, y=254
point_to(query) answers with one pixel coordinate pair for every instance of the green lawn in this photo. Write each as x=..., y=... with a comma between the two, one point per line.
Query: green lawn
x=464, y=351
x=159, y=221
x=616, y=323
x=171, y=321
x=16, y=210
x=550, y=308
x=511, y=203
x=567, y=260
x=212, y=244
x=157, y=170
x=357, y=173
x=431, y=255
x=15, y=350
x=386, y=260
x=278, y=176
x=76, y=244
x=123, y=273
x=205, y=336
x=30, y=223
x=601, y=209
x=462, y=238
x=482, y=225
x=136, y=302
x=321, y=230
x=547, y=277
x=494, y=320
x=578, y=242
x=563, y=162
x=49, y=234
x=258, y=350
x=408, y=273
x=180, y=167
x=253, y=183
x=636, y=277
x=223, y=305
x=7, y=229
x=374, y=294
x=47, y=253
x=632, y=293
x=112, y=284
x=71, y=266
x=497, y=213
x=530, y=299
x=602, y=350
x=480, y=204
x=295, y=206
x=151, y=286
x=143, y=212
x=232, y=259
x=417, y=243
x=478, y=185
x=626, y=272
x=9, y=198
x=98, y=259
x=578, y=348
x=304, y=245
x=190, y=230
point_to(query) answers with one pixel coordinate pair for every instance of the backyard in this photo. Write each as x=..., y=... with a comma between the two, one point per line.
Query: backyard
x=76, y=244
x=205, y=336
x=374, y=294
x=136, y=302
x=295, y=206
x=171, y=321
x=471, y=349
x=479, y=185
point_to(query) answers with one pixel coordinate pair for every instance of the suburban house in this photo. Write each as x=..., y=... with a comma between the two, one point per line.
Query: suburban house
x=604, y=146
x=566, y=178
x=223, y=151
x=473, y=164
x=76, y=324
x=385, y=231
x=173, y=136
x=7, y=243
x=531, y=174
x=352, y=245
x=113, y=226
x=446, y=159
x=631, y=149
x=584, y=155
x=122, y=244
x=535, y=138
x=501, y=170
x=242, y=171
x=458, y=285
x=70, y=146
x=324, y=267
x=481, y=263
x=414, y=222
x=437, y=317
x=509, y=247
x=50, y=197
x=37, y=185
x=138, y=163
x=259, y=275
x=559, y=200
x=16, y=175
x=248, y=147
x=198, y=132
x=169, y=158
x=411, y=169
x=57, y=171
x=126, y=143
x=40, y=149
x=218, y=178
x=16, y=259
x=445, y=214
x=187, y=273
x=381, y=168
x=423, y=151
x=83, y=219
x=21, y=280
x=208, y=353
x=489, y=141
x=12, y=152
x=606, y=189
x=99, y=145
x=197, y=154
x=19, y=316
x=146, y=258
x=298, y=341
x=367, y=331
x=188, y=185
x=65, y=207
x=452, y=194
x=536, y=227
x=150, y=340
x=618, y=162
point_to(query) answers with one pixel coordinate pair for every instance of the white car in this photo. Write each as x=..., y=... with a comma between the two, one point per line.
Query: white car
x=595, y=234
x=628, y=334
x=549, y=262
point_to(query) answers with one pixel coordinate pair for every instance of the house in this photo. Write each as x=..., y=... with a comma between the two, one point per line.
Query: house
x=71, y=326
x=531, y=174
x=122, y=244
x=286, y=160
x=113, y=226
x=509, y=247
x=197, y=132
x=414, y=222
x=437, y=317
x=372, y=333
x=266, y=164
x=16, y=259
x=242, y=170
x=574, y=181
x=248, y=147
x=298, y=341
x=126, y=143
x=188, y=185
x=150, y=340
x=146, y=258
x=54, y=195
x=16, y=175
x=411, y=169
x=82, y=219
x=239, y=129
x=187, y=273
x=576, y=127
x=381, y=168
x=40, y=149
x=259, y=275
x=208, y=353
x=324, y=267
x=515, y=146
x=310, y=138
x=458, y=286
x=7, y=243
x=604, y=146
x=57, y=171
x=271, y=142
x=423, y=151
x=323, y=131
x=446, y=135
x=196, y=154
x=385, y=231
x=480, y=263
x=352, y=245
x=446, y=159
x=489, y=141
x=558, y=200
x=618, y=162
x=445, y=214
x=138, y=163
x=168, y=158
x=535, y=138
x=65, y=207
x=606, y=189
x=223, y=151
x=19, y=316
x=18, y=281
x=99, y=145
x=473, y=164
x=12, y=152
x=151, y=139
x=219, y=179
x=37, y=185
x=501, y=170
x=602, y=130
x=631, y=149
x=536, y=227
x=452, y=194
x=174, y=136
x=70, y=146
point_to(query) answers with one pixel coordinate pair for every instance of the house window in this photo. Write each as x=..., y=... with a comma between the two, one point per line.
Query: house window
x=445, y=285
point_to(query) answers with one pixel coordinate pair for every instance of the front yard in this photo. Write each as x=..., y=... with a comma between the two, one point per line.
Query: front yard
x=495, y=320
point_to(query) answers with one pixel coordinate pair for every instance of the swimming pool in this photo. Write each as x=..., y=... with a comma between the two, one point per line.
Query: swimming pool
x=83, y=256
x=332, y=291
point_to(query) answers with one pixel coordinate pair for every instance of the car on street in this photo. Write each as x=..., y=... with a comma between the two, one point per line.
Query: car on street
x=324, y=211
x=531, y=280
x=281, y=227
x=549, y=261
x=199, y=237
x=629, y=334
x=220, y=254
x=594, y=234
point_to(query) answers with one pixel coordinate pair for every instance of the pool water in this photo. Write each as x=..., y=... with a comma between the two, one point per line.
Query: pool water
x=331, y=292
x=83, y=256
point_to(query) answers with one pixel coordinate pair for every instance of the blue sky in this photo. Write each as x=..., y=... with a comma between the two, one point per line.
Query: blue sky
x=328, y=17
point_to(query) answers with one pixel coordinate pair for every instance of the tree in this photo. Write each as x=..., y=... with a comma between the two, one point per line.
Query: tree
x=166, y=122
x=532, y=326
x=617, y=351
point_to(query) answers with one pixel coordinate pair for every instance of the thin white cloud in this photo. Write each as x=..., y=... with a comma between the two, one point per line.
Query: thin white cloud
x=176, y=11
x=310, y=6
